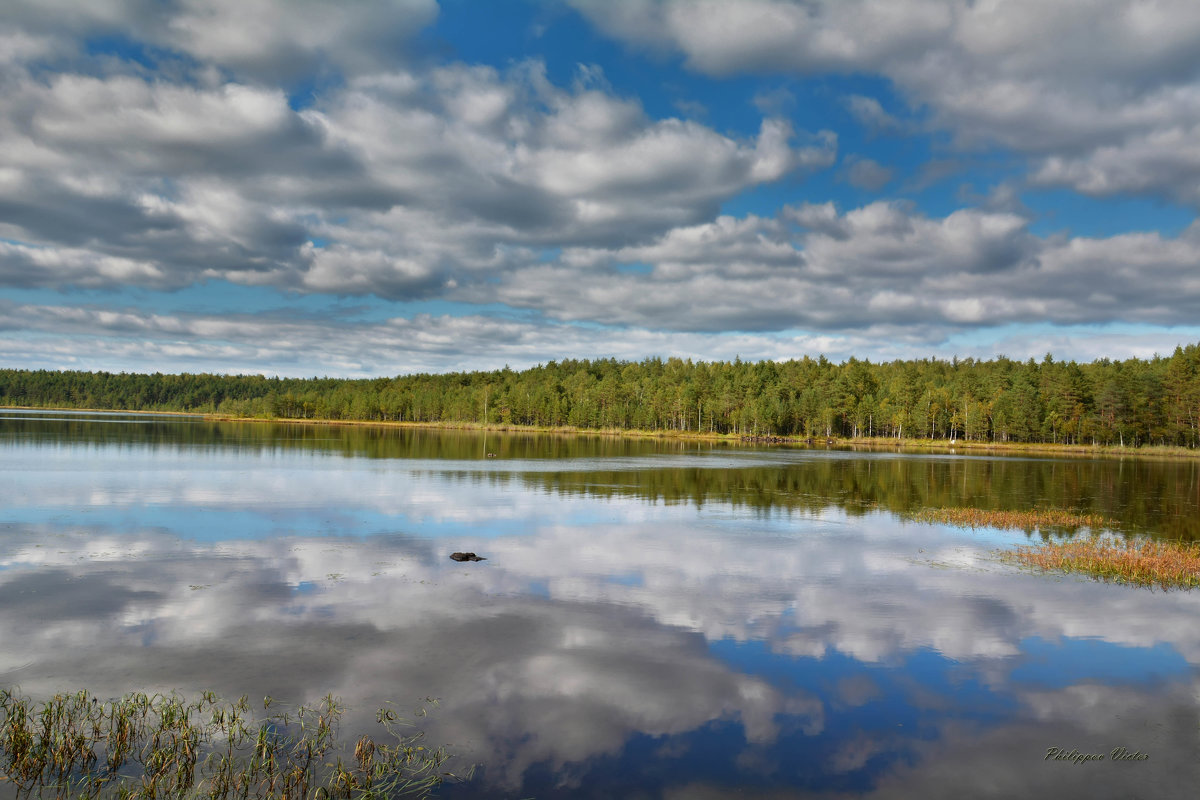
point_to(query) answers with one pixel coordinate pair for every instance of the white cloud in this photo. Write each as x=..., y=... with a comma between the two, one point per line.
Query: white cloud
x=1163, y=160
x=880, y=266
x=269, y=40
x=72, y=337
x=342, y=270
x=722, y=38
x=301, y=344
x=421, y=179
x=274, y=38
x=17, y=46
x=1102, y=94
x=881, y=270
x=23, y=265
x=464, y=183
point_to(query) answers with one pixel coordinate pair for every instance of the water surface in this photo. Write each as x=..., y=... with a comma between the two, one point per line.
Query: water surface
x=655, y=619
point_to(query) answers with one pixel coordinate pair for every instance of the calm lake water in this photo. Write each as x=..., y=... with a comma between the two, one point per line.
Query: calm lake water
x=653, y=620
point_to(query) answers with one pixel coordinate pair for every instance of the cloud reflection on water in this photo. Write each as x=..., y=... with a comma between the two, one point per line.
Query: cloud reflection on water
x=687, y=649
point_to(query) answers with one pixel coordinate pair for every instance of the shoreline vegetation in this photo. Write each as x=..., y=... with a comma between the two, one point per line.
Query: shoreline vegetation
x=79, y=745
x=940, y=446
x=874, y=443
x=1127, y=405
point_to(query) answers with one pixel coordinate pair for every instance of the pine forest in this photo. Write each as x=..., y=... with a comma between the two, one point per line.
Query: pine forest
x=1135, y=402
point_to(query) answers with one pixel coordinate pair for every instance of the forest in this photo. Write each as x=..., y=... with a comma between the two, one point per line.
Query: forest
x=1134, y=402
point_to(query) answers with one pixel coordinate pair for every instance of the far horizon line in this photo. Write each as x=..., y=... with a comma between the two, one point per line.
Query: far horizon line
x=953, y=361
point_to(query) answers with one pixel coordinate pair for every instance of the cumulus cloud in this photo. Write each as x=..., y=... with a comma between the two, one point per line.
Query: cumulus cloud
x=1162, y=160
x=881, y=281
x=724, y=38
x=849, y=279
x=420, y=179
x=417, y=181
x=269, y=40
x=882, y=265
x=280, y=342
x=588, y=166
x=1102, y=96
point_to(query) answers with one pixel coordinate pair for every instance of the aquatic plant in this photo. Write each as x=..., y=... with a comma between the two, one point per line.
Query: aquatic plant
x=1033, y=519
x=1145, y=562
x=163, y=746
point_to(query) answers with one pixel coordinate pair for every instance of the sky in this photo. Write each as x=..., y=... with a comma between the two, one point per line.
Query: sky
x=356, y=189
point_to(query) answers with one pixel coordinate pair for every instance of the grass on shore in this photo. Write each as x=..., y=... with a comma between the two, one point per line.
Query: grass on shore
x=873, y=443
x=1162, y=564
x=162, y=746
x=1035, y=519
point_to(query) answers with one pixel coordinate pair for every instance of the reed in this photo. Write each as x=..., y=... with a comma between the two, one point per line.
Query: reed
x=1162, y=564
x=1034, y=519
x=162, y=746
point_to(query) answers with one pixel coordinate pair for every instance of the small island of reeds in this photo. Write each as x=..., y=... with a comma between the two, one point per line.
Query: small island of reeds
x=1145, y=562
x=1034, y=519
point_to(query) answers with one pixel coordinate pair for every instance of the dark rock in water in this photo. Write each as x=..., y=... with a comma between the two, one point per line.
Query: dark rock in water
x=467, y=557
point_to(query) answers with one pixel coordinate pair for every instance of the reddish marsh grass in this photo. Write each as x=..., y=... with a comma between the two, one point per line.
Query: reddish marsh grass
x=1020, y=520
x=1168, y=565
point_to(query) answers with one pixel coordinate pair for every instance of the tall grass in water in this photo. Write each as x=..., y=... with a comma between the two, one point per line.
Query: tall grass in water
x=1165, y=564
x=162, y=746
x=1034, y=519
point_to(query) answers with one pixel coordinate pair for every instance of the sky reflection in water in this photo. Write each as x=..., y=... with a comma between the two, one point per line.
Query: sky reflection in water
x=652, y=621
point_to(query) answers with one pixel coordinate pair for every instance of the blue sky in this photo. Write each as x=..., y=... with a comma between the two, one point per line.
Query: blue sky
x=312, y=188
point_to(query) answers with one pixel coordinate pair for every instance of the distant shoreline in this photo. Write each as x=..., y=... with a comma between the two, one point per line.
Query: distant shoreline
x=872, y=444
x=201, y=414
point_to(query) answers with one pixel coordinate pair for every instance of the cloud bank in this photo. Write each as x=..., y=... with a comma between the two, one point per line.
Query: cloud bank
x=311, y=151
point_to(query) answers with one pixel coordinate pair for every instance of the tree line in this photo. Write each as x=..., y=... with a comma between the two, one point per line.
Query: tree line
x=1131, y=403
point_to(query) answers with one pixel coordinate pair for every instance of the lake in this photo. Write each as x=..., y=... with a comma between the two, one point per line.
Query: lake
x=655, y=619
